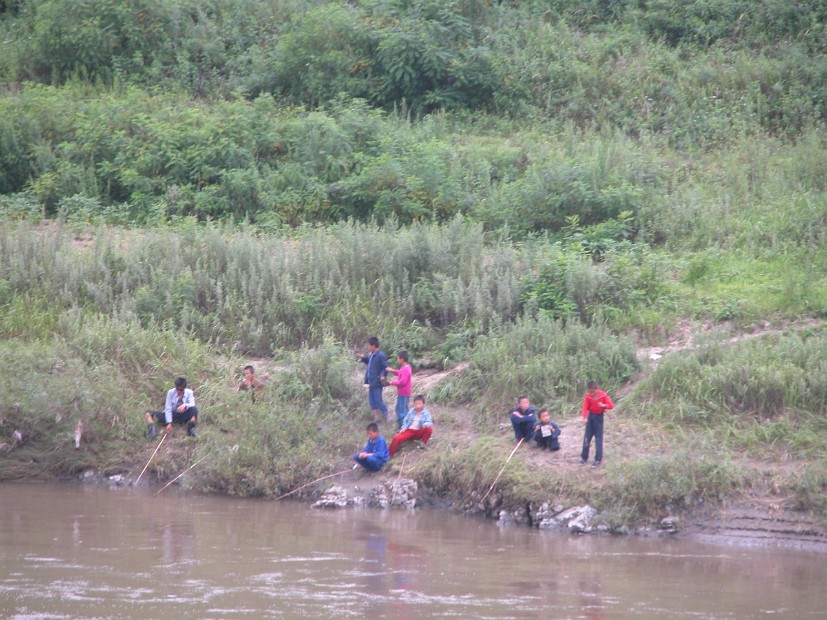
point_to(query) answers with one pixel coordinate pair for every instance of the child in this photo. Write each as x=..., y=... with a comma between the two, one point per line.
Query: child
x=403, y=386
x=375, y=454
x=374, y=378
x=522, y=419
x=546, y=432
x=416, y=425
x=251, y=382
x=595, y=403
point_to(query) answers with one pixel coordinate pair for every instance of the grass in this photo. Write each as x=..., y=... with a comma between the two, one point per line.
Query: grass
x=96, y=326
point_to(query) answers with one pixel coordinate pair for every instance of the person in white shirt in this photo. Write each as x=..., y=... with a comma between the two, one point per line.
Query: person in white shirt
x=179, y=409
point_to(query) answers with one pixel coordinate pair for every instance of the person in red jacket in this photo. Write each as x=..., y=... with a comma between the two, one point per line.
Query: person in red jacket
x=595, y=403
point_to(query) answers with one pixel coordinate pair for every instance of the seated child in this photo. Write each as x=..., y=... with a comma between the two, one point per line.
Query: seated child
x=416, y=425
x=375, y=454
x=523, y=420
x=546, y=432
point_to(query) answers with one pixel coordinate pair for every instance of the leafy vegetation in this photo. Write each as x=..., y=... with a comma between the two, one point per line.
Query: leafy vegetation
x=533, y=188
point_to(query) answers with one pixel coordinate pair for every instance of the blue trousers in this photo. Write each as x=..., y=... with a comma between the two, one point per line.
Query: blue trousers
x=371, y=463
x=594, y=428
x=402, y=403
x=375, y=400
x=523, y=427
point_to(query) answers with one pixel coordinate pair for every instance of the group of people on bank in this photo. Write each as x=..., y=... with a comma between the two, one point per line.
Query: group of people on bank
x=415, y=423
x=180, y=407
x=528, y=424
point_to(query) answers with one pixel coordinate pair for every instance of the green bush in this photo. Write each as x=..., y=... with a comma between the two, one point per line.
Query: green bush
x=543, y=359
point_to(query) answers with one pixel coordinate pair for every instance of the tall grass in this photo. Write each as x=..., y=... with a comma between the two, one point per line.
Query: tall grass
x=546, y=360
x=254, y=295
x=765, y=392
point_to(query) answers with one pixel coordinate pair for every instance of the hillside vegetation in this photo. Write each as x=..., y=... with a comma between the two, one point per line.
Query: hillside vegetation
x=536, y=189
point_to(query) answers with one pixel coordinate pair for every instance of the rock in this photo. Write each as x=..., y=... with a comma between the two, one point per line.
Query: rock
x=669, y=524
x=334, y=497
x=378, y=498
x=117, y=480
x=514, y=516
x=578, y=519
x=402, y=493
x=543, y=516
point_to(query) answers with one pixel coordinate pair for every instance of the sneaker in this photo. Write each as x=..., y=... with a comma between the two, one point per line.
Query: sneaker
x=355, y=466
x=151, y=431
x=582, y=461
x=191, y=429
x=424, y=446
x=595, y=464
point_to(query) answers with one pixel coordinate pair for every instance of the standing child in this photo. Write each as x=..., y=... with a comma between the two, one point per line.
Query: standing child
x=375, y=454
x=374, y=375
x=595, y=403
x=403, y=386
x=546, y=432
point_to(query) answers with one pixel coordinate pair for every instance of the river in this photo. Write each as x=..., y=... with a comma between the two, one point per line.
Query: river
x=86, y=551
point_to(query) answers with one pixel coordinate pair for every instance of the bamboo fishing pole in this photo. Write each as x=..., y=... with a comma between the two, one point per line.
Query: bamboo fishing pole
x=312, y=482
x=181, y=474
x=151, y=457
x=502, y=470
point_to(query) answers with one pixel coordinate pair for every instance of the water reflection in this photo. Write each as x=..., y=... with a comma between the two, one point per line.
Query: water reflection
x=126, y=554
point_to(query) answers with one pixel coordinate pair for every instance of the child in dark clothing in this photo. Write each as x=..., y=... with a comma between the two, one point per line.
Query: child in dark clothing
x=546, y=432
x=375, y=454
x=523, y=420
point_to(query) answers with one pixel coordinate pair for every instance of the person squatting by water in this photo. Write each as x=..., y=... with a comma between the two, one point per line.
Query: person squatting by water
x=375, y=453
x=377, y=362
x=595, y=403
x=250, y=382
x=523, y=419
x=546, y=432
x=403, y=386
x=417, y=424
x=179, y=409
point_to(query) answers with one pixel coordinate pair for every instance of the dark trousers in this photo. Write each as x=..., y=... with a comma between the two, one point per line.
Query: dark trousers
x=371, y=463
x=177, y=418
x=523, y=427
x=547, y=443
x=594, y=428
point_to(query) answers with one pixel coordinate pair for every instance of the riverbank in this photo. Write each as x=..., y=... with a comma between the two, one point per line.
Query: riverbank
x=760, y=511
x=710, y=411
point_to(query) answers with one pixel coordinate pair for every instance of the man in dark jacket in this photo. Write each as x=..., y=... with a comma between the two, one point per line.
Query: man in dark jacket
x=377, y=363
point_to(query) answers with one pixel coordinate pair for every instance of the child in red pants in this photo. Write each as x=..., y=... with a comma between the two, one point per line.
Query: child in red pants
x=416, y=425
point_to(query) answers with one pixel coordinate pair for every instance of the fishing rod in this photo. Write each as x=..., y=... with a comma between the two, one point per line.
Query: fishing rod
x=313, y=482
x=164, y=436
x=181, y=474
x=502, y=470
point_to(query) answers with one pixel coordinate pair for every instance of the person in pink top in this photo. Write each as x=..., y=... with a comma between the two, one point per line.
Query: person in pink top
x=403, y=385
x=595, y=403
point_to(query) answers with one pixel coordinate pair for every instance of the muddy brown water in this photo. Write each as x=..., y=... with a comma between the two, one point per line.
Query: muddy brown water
x=70, y=551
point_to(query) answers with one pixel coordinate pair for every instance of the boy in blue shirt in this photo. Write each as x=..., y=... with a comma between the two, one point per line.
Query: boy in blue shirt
x=375, y=454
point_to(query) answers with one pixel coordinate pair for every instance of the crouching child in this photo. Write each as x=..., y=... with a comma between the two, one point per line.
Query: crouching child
x=375, y=454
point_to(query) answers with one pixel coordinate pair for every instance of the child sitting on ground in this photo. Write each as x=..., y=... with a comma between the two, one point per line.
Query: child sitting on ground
x=416, y=425
x=546, y=432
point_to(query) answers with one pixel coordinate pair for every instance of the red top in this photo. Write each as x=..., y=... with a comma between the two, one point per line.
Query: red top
x=594, y=404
